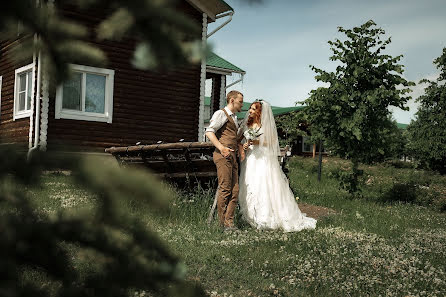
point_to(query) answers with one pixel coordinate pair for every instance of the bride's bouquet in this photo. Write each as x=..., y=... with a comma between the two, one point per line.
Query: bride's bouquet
x=252, y=134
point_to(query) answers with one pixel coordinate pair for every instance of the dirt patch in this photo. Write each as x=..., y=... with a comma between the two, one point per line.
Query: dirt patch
x=315, y=211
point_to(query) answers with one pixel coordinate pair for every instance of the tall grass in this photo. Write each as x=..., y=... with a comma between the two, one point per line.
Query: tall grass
x=371, y=246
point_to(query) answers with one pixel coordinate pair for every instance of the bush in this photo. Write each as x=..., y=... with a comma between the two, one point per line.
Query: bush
x=400, y=164
x=440, y=203
x=98, y=251
x=401, y=192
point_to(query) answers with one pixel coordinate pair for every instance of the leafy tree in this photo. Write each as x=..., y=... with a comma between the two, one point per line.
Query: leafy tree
x=397, y=140
x=43, y=255
x=352, y=113
x=427, y=133
x=292, y=126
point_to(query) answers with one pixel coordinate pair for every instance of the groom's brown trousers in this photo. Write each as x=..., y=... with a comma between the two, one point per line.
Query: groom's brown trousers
x=227, y=173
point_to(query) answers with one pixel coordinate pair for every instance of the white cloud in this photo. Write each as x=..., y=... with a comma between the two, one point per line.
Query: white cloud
x=276, y=42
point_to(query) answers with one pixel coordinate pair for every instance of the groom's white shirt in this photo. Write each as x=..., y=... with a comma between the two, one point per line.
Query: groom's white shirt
x=219, y=119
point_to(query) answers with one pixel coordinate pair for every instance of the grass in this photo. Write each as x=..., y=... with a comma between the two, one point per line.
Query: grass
x=373, y=246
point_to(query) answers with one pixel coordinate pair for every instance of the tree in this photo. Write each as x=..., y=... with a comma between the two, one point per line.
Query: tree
x=351, y=113
x=122, y=254
x=427, y=134
x=398, y=143
x=290, y=125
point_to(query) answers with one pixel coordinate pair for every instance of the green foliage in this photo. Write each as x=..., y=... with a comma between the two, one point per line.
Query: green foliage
x=397, y=143
x=349, y=180
x=427, y=133
x=382, y=183
x=98, y=251
x=351, y=113
x=291, y=126
x=374, y=242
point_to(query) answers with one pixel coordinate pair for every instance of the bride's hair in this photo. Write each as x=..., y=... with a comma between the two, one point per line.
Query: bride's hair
x=256, y=116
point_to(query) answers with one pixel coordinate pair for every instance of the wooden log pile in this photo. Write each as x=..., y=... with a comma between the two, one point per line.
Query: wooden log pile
x=169, y=160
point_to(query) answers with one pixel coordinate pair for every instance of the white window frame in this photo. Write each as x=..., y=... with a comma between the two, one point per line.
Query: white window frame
x=83, y=115
x=25, y=113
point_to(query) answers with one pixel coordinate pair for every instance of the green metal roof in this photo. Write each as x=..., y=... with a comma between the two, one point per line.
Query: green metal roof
x=275, y=109
x=213, y=60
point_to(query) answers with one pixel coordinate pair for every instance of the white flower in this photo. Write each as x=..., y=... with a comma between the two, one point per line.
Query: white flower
x=252, y=133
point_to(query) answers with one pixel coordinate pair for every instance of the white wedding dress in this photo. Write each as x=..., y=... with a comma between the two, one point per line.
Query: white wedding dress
x=265, y=198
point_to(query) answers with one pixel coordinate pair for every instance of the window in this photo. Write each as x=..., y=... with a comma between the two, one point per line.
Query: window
x=307, y=146
x=23, y=91
x=87, y=95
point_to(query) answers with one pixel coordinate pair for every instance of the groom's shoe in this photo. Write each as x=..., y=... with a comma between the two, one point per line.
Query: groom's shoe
x=230, y=229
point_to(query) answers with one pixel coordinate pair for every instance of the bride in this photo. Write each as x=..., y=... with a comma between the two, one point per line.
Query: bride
x=266, y=200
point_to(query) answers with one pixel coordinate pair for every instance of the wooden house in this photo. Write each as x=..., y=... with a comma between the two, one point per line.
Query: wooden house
x=217, y=71
x=113, y=106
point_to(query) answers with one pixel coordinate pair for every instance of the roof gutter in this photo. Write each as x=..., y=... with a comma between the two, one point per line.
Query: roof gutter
x=230, y=14
x=223, y=70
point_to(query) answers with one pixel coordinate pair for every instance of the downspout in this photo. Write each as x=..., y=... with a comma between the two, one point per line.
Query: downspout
x=236, y=82
x=230, y=13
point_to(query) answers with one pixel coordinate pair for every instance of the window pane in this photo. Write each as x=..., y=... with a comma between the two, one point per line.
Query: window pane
x=28, y=94
x=95, y=93
x=22, y=101
x=22, y=82
x=72, y=94
x=308, y=146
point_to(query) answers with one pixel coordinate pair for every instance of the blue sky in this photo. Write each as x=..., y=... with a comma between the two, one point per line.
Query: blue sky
x=275, y=42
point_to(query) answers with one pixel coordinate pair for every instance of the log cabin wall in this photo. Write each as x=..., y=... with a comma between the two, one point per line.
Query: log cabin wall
x=216, y=87
x=11, y=131
x=147, y=106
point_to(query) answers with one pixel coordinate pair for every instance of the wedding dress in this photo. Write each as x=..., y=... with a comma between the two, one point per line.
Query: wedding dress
x=265, y=198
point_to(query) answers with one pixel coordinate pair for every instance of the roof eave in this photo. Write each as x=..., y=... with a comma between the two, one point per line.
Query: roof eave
x=223, y=70
x=211, y=7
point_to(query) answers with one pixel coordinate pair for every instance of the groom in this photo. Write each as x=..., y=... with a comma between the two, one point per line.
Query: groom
x=222, y=132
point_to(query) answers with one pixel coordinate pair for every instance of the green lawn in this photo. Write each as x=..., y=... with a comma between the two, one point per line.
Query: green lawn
x=373, y=245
